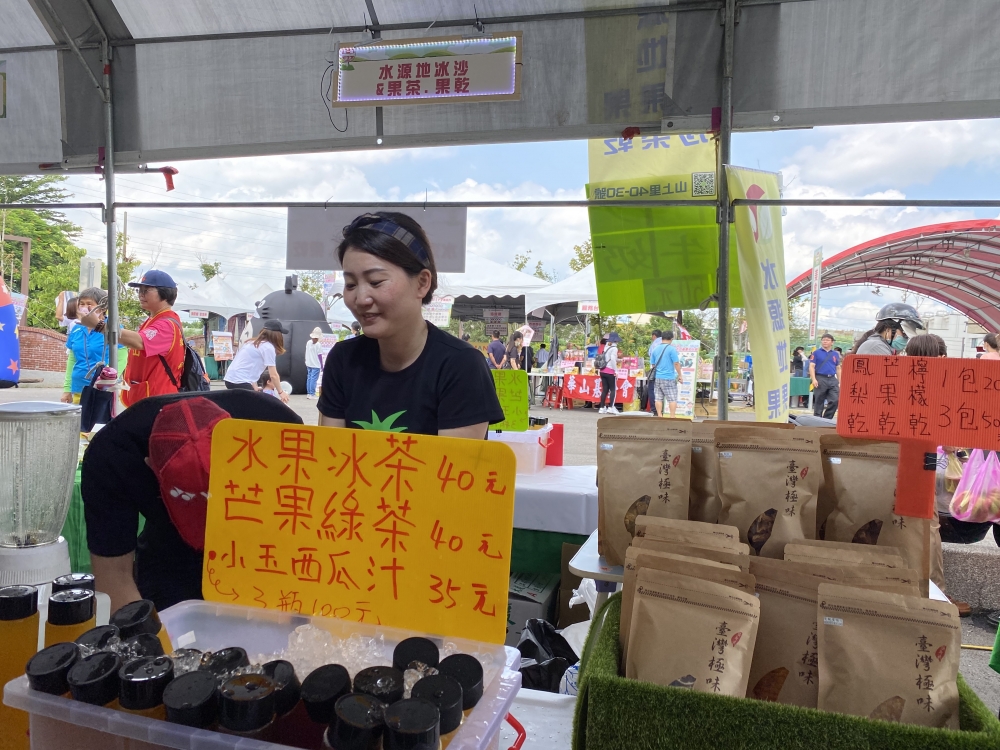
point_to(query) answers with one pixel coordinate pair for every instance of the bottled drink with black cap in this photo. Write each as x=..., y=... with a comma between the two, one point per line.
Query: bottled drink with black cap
x=384, y=683
x=358, y=724
x=140, y=617
x=19, y=639
x=289, y=708
x=192, y=700
x=71, y=614
x=94, y=679
x=445, y=693
x=101, y=638
x=468, y=671
x=412, y=724
x=224, y=662
x=48, y=669
x=321, y=689
x=74, y=581
x=143, y=644
x=246, y=706
x=142, y=684
x=414, y=649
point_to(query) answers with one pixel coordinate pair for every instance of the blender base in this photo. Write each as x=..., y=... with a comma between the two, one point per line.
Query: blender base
x=34, y=565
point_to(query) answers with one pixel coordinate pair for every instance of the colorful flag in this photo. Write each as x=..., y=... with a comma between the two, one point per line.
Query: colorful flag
x=682, y=332
x=10, y=347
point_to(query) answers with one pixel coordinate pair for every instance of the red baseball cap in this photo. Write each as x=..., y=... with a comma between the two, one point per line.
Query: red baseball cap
x=180, y=454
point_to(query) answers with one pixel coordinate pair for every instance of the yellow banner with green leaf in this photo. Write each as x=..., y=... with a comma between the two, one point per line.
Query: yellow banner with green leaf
x=762, y=269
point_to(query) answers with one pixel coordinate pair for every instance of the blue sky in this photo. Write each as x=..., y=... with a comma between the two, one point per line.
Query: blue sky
x=916, y=160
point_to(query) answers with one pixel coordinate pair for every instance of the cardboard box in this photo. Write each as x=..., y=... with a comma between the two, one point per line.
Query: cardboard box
x=567, y=583
x=530, y=596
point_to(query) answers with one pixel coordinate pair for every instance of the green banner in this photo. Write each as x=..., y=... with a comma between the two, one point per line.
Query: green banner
x=512, y=390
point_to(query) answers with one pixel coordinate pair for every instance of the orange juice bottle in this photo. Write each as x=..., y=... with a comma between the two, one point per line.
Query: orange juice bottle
x=19, y=636
x=140, y=617
x=71, y=614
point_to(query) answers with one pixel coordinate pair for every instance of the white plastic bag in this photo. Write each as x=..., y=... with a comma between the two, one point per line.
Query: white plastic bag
x=586, y=593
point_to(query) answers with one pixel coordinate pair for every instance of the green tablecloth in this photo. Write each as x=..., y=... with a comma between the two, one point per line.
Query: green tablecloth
x=799, y=386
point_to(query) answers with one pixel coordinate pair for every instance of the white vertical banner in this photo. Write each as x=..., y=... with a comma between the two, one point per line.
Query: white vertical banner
x=817, y=278
x=688, y=351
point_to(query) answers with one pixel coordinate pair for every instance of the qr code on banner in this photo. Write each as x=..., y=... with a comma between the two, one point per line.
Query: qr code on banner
x=702, y=183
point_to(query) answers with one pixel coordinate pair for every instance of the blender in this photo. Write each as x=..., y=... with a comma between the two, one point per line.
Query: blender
x=39, y=450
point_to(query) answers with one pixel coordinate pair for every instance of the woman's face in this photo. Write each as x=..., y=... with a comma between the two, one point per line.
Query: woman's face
x=383, y=297
x=85, y=305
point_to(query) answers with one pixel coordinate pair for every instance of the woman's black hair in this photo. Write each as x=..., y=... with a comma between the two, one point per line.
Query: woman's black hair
x=374, y=242
x=991, y=339
x=880, y=327
x=168, y=294
x=925, y=345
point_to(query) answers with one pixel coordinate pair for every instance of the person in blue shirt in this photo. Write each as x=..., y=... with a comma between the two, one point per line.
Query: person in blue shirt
x=824, y=371
x=668, y=374
x=649, y=399
x=87, y=350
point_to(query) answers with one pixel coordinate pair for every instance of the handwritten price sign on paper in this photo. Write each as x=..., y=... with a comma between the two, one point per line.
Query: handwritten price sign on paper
x=932, y=400
x=401, y=530
x=512, y=390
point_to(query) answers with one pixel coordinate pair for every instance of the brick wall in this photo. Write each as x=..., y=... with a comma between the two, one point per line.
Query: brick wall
x=42, y=349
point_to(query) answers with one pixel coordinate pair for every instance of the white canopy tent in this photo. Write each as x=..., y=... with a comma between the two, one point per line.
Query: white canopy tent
x=487, y=285
x=580, y=287
x=216, y=296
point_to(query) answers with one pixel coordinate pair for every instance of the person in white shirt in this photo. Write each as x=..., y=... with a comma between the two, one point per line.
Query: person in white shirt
x=543, y=357
x=259, y=355
x=607, y=373
x=313, y=351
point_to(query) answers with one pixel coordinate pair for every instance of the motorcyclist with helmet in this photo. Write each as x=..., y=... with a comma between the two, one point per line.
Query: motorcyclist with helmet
x=896, y=323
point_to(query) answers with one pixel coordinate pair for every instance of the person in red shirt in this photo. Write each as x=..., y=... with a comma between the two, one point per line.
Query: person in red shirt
x=156, y=350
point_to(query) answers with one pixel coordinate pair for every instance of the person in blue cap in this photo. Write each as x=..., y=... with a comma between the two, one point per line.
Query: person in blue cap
x=156, y=351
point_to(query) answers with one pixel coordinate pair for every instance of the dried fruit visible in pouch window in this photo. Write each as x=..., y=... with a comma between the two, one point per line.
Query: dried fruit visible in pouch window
x=638, y=508
x=868, y=534
x=769, y=686
x=890, y=710
x=761, y=528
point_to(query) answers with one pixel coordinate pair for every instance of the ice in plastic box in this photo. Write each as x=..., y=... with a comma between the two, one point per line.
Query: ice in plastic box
x=62, y=724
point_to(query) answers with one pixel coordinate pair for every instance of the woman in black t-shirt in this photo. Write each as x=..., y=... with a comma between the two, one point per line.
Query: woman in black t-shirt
x=403, y=374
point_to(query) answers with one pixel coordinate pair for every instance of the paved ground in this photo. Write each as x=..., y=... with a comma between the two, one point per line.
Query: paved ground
x=580, y=448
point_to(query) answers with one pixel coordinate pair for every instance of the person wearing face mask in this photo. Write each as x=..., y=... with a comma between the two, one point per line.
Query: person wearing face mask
x=896, y=323
x=87, y=350
x=404, y=374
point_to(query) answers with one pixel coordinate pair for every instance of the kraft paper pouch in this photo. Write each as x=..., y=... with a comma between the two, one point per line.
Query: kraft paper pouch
x=708, y=570
x=643, y=467
x=662, y=528
x=719, y=554
x=843, y=555
x=894, y=580
x=785, y=666
x=888, y=657
x=692, y=634
x=704, y=504
x=861, y=475
x=767, y=482
x=678, y=536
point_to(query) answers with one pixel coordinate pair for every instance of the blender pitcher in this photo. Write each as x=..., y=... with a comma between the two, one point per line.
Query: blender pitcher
x=39, y=449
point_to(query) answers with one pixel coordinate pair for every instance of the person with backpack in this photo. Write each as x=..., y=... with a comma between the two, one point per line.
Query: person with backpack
x=606, y=363
x=257, y=357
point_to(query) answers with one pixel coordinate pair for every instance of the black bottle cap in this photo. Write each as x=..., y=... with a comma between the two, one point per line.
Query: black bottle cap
x=415, y=649
x=98, y=639
x=136, y=617
x=286, y=684
x=246, y=703
x=18, y=602
x=144, y=644
x=445, y=693
x=469, y=673
x=222, y=662
x=412, y=725
x=384, y=683
x=48, y=668
x=95, y=679
x=72, y=606
x=192, y=700
x=74, y=581
x=322, y=688
x=358, y=723
x=143, y=681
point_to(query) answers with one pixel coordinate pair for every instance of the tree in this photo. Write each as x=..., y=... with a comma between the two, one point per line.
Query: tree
x=541, y=273
x=583, y=256
x=311, y=282
x=520, y=261
x=209, y=270
x=130, y=312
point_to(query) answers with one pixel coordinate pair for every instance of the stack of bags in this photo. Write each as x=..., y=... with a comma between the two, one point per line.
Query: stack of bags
x=731, y=589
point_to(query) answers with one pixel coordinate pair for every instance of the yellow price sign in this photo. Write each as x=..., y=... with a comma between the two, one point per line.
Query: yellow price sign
x=512, y=390
x=409, y=531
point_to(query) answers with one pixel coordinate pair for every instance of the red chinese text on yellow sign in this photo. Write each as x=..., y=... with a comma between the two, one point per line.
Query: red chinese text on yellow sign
x=410, y=531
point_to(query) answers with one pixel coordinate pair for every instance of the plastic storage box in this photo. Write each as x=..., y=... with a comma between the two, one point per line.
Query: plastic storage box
x=64, y=724
x=529, y=447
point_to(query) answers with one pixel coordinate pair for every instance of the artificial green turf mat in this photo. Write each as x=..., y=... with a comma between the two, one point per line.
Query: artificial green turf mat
x=613, y=713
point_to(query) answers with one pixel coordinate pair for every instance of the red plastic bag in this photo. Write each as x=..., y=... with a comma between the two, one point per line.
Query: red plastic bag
x=977, y=497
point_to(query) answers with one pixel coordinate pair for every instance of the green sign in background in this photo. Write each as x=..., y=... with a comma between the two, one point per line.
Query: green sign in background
x=512, y=390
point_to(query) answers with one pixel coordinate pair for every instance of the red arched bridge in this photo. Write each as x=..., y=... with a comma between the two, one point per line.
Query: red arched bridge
x=955, y=263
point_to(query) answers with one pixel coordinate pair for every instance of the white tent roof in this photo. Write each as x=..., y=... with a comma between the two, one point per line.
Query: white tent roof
x=216, y=296
x=260, y=292
x=486, y=278
x=338, y=313
x=580, y=287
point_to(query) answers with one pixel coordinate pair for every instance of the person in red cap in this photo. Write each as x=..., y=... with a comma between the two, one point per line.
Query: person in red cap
x=153, y=460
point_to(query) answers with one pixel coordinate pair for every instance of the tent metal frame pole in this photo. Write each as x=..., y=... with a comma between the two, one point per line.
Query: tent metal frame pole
x=111, y=329
x=421, y=204
x=722, y=362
